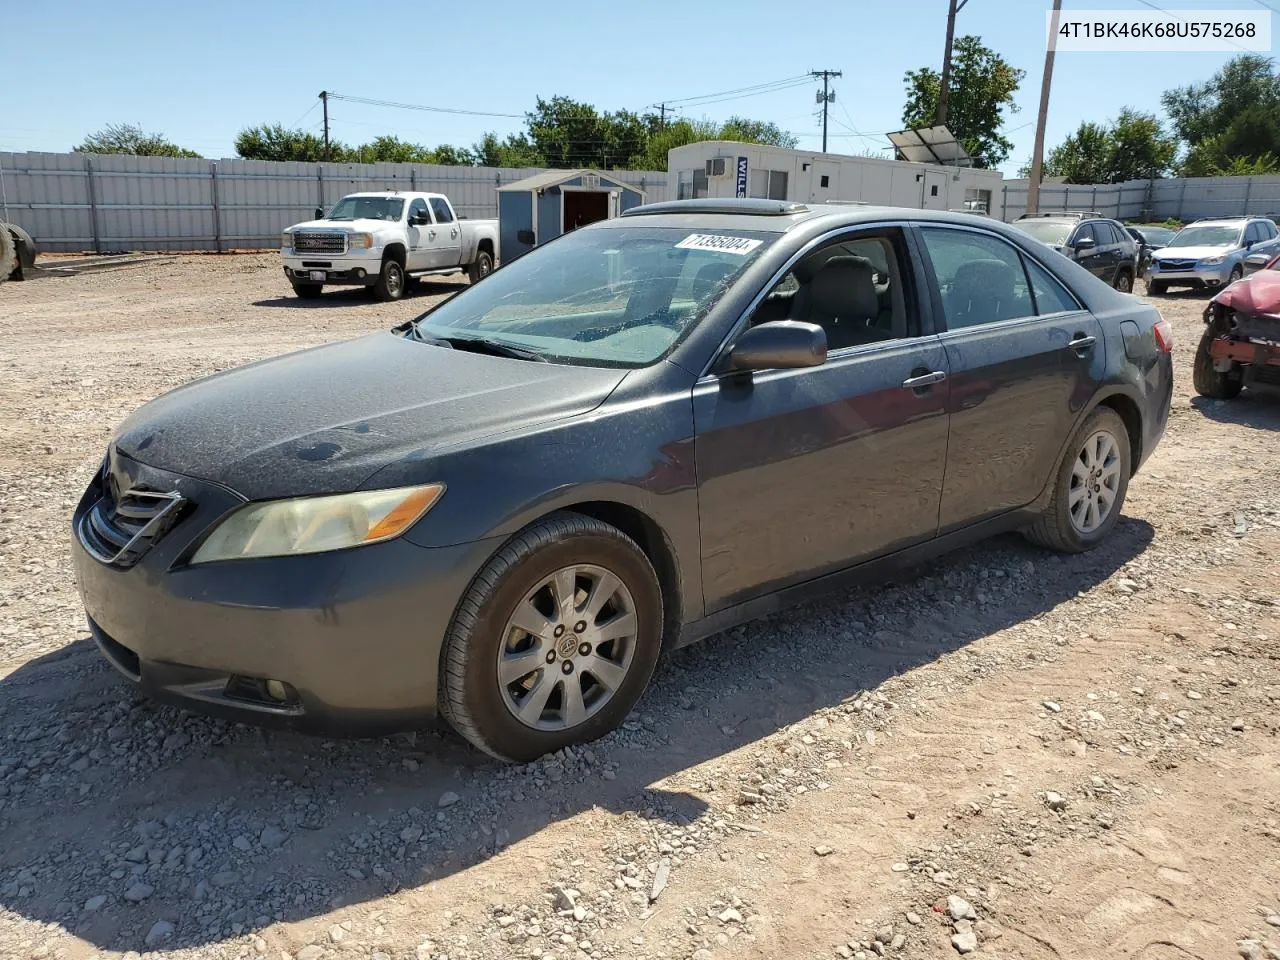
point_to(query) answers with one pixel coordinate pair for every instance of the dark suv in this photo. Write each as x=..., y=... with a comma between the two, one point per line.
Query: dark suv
x=1101, y=246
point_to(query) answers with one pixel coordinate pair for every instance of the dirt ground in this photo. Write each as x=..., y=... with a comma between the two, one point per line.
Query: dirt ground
x=1081, y=752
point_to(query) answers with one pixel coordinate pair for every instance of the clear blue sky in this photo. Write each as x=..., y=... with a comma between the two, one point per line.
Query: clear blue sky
x=199, y=72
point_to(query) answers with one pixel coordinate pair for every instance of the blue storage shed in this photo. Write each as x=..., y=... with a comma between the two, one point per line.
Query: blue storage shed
x=542, y=207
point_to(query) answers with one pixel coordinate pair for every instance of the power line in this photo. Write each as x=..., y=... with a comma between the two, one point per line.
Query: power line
x=724, y=93
x=305, y=114
x=417, y=106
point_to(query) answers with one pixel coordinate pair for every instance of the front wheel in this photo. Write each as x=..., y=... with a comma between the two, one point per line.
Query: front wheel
x=1236, y=273
x=1090, y=486
x=391, y=281
x=1124, y=281
x=481, y=268
x=1156, y=288
x=555, y=640
x=307, y=291
x=1210, y=382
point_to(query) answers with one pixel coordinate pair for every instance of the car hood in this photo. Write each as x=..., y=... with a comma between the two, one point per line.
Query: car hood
x=324, y=420
x=1191, y=253
x=361, y=225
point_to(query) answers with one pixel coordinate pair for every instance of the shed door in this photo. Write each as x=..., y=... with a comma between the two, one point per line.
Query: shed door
x=824, y=181
x=935, y=190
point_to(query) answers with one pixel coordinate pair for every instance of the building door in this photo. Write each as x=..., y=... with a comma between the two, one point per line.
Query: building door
x=935, y=190
x=825, y=182
x=581, y=207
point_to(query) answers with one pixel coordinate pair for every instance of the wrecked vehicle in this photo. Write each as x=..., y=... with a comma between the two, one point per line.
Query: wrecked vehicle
x=1241, y=343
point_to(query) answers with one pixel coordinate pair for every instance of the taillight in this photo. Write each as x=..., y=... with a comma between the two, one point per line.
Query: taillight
x=1164, y=335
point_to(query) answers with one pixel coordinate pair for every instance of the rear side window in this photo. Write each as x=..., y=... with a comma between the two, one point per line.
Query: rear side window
x=980, y=278
x=441, y=210
x=1051, y=296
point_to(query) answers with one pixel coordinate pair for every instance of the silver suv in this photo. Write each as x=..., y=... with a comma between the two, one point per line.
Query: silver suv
x=1210, y=253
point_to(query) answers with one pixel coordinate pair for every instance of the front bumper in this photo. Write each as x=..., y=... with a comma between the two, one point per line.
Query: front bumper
x=1194, y=277
x=345, y=270
x=355, y=634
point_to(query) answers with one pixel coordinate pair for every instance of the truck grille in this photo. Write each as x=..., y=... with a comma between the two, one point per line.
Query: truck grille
x=1167, y=264
x=320, y=242
x=122, y=526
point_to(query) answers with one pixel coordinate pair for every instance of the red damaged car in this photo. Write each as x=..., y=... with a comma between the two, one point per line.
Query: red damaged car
x=1241, y=342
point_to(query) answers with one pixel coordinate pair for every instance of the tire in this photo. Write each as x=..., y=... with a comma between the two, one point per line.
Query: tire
x=307, y=291
x=390, y=284
x=1236, y=273
x=1156, y=288
x=1215, y=384
x=8, y=253
x=1056, y=528
x=482, y=708
x=1124, y=281
x=481, y=268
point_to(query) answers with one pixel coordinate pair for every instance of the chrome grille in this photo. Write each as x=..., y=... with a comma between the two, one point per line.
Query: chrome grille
x=123, y=525
x=1167, y=264
x=320, y=242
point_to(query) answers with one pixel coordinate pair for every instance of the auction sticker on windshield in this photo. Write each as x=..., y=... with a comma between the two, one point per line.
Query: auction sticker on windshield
x=706, y=241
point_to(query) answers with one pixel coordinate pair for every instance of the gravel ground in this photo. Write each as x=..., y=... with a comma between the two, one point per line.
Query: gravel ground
x=1014, y=753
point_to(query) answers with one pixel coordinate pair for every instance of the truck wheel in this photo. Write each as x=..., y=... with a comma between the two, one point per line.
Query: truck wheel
x=391, y=281
x=481, y=268
x=307, y=291
x=8, y=253
x=1156, y=288
x=1215, y=384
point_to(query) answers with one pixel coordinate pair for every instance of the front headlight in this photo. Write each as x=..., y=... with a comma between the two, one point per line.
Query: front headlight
x=286, y=240
x=359, y=241
x=315, y=524
x=1211, y=261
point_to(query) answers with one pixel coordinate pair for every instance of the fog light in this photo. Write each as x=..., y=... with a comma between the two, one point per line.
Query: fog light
x=277, y=691
x=360, y=274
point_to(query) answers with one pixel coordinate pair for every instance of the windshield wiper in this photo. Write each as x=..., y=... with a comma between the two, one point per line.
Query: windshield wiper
x=478, y=345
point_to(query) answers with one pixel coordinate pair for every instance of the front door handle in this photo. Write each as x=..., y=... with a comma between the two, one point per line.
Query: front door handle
x=924, y=380
x=1082, y=343
x=431, y=235
x=453, y=234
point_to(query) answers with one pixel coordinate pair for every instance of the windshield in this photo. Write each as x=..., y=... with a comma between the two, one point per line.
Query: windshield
x=613, y=297
x=1053, y=232
x=367, y=208
x=1207, y=236
x=1157, y=236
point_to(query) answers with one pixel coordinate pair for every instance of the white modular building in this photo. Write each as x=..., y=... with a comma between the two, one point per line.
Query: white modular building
x=725, y=168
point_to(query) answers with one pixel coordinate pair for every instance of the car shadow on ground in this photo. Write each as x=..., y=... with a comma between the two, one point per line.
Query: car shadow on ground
x=350, y=296
x=220, y=829
x=1255, y=408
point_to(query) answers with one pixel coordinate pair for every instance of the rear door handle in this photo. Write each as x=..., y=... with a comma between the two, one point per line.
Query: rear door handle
x=924, y=380
x=1082, y=343
x=431, y=235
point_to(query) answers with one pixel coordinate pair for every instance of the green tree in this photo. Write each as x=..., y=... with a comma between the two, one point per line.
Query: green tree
x=982, y=89
x=274, y=142
x=514, y=151
x=451, y=156
x=1229, y=122
x=756, y=131
x=391, y=149
x=1082, y=157
x=130, y=138
x=1134, y=146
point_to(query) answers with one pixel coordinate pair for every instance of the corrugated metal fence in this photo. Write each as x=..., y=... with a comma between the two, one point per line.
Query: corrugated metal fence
x=109, y=203
x=1183, y=198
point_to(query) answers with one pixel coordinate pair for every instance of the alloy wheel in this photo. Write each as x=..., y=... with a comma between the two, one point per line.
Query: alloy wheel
x=567, y=647
x=1095, y=482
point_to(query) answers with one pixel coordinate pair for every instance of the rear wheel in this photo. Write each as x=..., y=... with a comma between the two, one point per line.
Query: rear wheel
x=481, y=268
x=1215, y=384
x=1156, y=288
x=308, y=291
x=391, y=281
x=1124, y=281
x=1090, y=486
x=555, y=640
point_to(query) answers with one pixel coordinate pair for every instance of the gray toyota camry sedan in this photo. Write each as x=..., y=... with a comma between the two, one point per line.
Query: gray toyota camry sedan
x=639, y=434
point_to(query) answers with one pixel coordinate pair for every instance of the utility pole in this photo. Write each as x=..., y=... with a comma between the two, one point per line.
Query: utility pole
x=944, y=86
x=324, y=100
x=1037, y=154
x=662, y=114
x=825, y=97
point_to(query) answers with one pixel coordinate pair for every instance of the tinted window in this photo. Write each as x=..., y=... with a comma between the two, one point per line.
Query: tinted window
x=416, y=207
x=1085, y=232
x=441, y=210
x=1051, y=296
x=854, y=288
x=980, y=277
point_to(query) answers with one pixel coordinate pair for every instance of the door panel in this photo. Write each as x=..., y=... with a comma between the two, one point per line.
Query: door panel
x=818, y=191
x=1017, y=389
x=418, y=256
x=446, y=243
x=803, y=472
x=935, y=190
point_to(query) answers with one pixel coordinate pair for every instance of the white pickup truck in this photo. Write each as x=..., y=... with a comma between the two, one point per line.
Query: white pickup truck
x=380, y=240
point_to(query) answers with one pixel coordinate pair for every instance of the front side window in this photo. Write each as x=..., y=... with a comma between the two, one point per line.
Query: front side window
x=416, y=207
x=614, y=297
x=853, y=287
x=367, y=208
x=980, y=278
x=1086, y=232
x=441, y=210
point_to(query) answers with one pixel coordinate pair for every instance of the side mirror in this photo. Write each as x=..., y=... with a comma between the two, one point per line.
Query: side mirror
x=526, y=237
x=1086, y=243
x=420, y=219
x=782, y=344
x=319, y=213
x=1248, y=244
